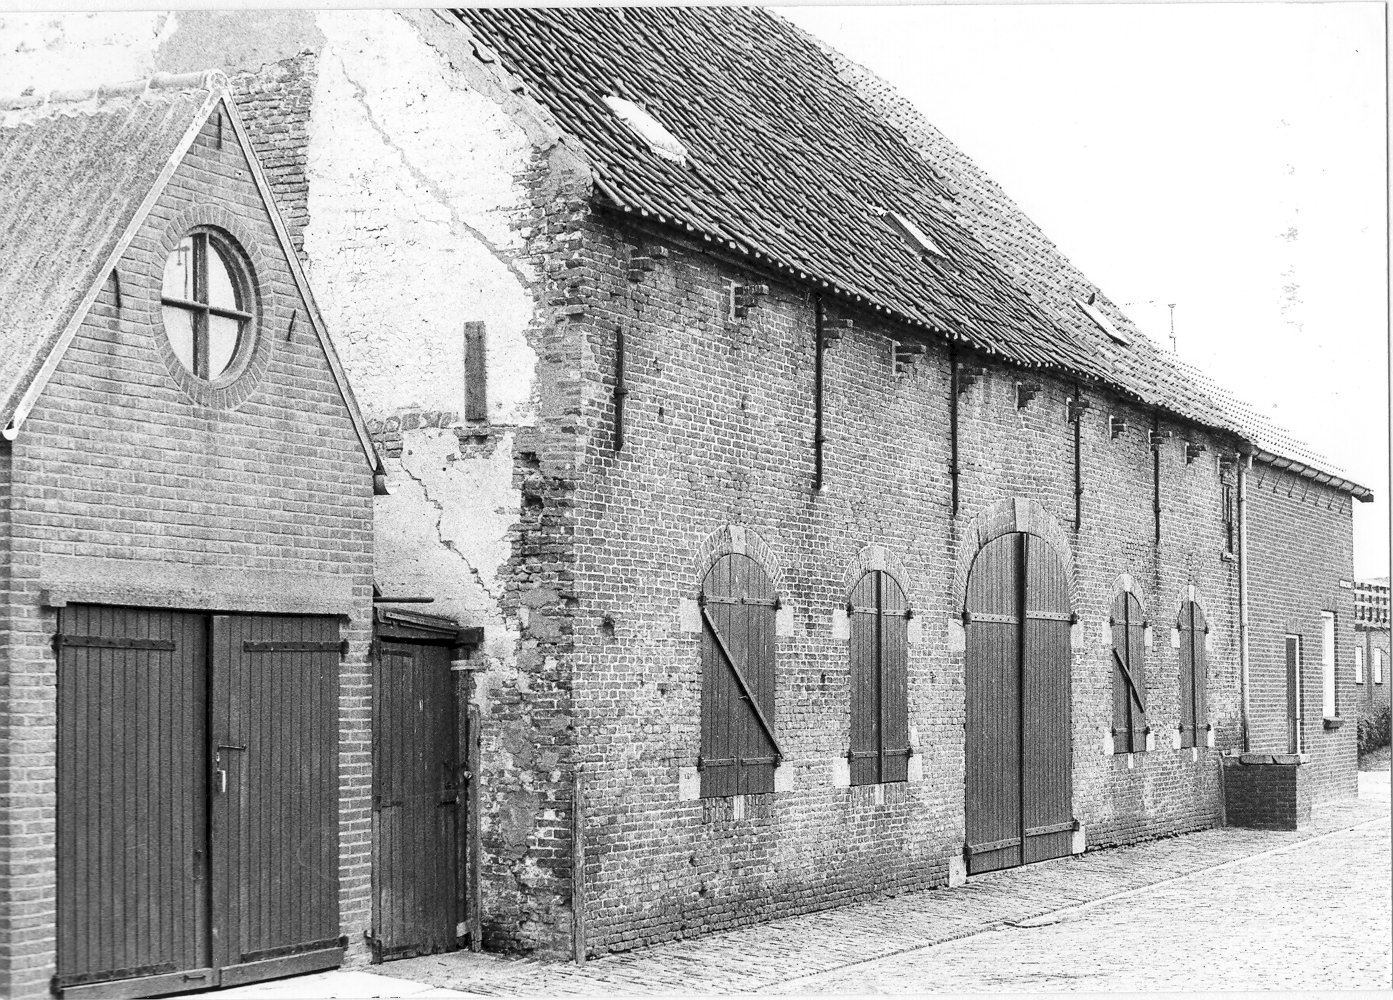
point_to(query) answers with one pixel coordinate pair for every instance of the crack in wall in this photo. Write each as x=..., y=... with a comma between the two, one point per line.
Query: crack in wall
x=457, y=222
x=448, y=543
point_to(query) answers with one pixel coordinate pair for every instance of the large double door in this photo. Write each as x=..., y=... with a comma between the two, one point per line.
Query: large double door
x=1018, y=793
x=197, y=799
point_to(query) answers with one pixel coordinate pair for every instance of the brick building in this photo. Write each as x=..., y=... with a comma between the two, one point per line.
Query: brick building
x=1372, y=649
x=829, y=532
x=186, y=530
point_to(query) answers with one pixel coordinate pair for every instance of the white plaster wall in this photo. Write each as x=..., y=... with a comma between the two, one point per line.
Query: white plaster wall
x=415, y=207
x=76, y=51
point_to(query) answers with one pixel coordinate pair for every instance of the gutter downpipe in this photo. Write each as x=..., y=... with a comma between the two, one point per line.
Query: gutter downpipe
x=1245, y=463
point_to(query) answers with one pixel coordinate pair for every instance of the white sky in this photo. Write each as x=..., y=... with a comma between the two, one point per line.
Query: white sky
x=1229, y=158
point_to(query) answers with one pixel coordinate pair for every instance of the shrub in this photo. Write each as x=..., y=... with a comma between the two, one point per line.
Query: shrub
x=1374, y=731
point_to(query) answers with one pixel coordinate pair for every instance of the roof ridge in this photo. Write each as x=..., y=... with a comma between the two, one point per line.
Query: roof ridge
x=207, y=79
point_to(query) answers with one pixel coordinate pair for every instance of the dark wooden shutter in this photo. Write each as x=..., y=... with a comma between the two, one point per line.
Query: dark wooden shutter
x=131, y=779
x=894, y=686
x=879, y=680
x=865, y=683
x=737, y=754
x=476, y=404
x=1129, y=675
x=275, y=828
x=993, y=703
x=1193, y=671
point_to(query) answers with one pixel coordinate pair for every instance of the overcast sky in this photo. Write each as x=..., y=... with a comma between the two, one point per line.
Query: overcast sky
x=1229, y=158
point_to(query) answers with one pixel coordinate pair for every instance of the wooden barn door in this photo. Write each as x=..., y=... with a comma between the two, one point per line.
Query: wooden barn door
x=132, y=806
x=1018, y=793
x=274, y=799
x=418, y=779
x=197, y=799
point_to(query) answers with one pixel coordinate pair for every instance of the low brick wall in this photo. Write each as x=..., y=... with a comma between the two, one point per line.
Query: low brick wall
x=1266, y=791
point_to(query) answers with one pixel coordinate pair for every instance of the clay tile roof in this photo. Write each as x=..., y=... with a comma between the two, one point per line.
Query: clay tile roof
x=74, y=169
x=784, y=163
x=1155, y=375
x=795, y=157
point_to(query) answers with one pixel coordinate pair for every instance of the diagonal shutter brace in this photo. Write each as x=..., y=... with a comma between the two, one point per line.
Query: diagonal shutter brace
x=744, y=684
x=1131, y=683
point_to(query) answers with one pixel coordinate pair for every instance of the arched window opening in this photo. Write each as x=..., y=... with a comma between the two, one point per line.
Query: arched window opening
x=879, y=614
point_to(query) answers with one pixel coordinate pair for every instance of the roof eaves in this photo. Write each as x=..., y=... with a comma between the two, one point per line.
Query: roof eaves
x=1361, y=493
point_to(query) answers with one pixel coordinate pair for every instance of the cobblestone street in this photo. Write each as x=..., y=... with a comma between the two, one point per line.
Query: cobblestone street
x=1222, y=909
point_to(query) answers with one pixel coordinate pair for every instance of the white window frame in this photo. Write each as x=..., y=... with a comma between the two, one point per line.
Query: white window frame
x=1327, y=664
x=1358, y=664
x=1378, y=666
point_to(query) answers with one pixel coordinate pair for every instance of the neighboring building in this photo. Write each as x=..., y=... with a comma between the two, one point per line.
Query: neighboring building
x=187, y=542
x=829, y=533
x=1372, y=648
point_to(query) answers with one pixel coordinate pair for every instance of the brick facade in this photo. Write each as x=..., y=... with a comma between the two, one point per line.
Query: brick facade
x=123, y=488
x=1300, y=563
x=718, y=432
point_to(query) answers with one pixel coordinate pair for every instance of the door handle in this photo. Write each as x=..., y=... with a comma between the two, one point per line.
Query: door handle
x=220, y=781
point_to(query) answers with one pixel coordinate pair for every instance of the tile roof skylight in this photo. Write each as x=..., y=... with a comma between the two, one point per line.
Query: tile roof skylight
x=1104, y=324
x=914, y=234
x=648, y=128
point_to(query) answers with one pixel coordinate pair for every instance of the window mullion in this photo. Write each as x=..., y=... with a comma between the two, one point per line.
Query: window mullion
x=200, y=296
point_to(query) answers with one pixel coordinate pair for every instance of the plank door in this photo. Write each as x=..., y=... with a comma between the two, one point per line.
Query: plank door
x=1046, y=657
x=132, y=852
x=418, y=843
x=1018, y=758
x=274, y=799
x=993, y=695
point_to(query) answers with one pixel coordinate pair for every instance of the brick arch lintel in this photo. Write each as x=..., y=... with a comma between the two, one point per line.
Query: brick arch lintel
x=737, y=539
x=1190, y=591
x=873, y=557
x=1015, y=514
x=1127, y=584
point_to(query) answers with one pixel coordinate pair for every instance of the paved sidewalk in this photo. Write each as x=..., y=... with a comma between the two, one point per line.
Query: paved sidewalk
x=858, y=948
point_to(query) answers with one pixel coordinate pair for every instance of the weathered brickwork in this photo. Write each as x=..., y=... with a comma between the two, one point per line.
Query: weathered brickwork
x=126, y=485
x=1300, y=563
x=275, y=104
x=718, y=426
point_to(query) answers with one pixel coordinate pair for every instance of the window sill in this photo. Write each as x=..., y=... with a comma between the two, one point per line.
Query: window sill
x=1333, y=723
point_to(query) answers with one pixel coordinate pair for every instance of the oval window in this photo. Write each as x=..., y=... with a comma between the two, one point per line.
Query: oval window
x=204, y=304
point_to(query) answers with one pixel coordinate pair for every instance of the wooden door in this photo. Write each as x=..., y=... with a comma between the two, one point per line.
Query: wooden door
x=197, y=799
x=1046, y=761
x=1293, y=650
x=418, y=844
x=274, y=802
x=132, y=768
x=1018, y=760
